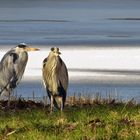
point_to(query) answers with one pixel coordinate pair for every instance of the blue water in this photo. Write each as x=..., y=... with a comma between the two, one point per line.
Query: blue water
x=73, y=23
x=120, y=91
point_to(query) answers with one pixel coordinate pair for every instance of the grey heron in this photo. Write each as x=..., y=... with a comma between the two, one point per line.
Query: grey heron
x=12, y=67
x=55, y=78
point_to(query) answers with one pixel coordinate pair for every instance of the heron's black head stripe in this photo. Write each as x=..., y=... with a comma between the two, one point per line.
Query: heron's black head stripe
x=22, y=46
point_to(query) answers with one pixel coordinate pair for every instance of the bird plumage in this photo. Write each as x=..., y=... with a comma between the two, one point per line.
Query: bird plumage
x=12, y=67
x=55, y=77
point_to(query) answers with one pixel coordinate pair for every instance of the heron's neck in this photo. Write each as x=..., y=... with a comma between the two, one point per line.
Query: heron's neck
x=19, y=51
x=55, y=61
x=23, y=56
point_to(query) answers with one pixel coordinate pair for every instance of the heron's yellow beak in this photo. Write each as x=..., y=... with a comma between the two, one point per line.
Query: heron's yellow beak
x=31, y=49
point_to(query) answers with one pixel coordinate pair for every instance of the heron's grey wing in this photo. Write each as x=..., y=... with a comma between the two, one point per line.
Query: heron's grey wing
x=63, y=80
x=63, y=75
x=7, y=71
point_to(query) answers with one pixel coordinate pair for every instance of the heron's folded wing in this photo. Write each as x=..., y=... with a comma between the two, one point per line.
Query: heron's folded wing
x=7, y=71
x=64, y=79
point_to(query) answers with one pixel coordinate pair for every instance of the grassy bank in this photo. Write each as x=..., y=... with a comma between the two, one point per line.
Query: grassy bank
x=79, y=121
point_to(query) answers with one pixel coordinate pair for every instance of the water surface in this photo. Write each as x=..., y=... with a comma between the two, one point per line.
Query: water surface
x=106, y=31
x=79, y=22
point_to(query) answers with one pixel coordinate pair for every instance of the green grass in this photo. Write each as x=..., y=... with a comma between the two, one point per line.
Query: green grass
x=77, y=122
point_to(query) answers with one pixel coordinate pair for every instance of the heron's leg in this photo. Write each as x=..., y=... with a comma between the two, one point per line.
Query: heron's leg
x=61, y=103
x=59, y=100
x=9, y=98
x=52, y=105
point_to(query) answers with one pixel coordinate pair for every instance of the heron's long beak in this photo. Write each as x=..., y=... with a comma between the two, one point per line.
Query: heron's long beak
x=32, y=49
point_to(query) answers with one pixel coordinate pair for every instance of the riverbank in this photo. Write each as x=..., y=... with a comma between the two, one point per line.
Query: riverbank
x=80, y=120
